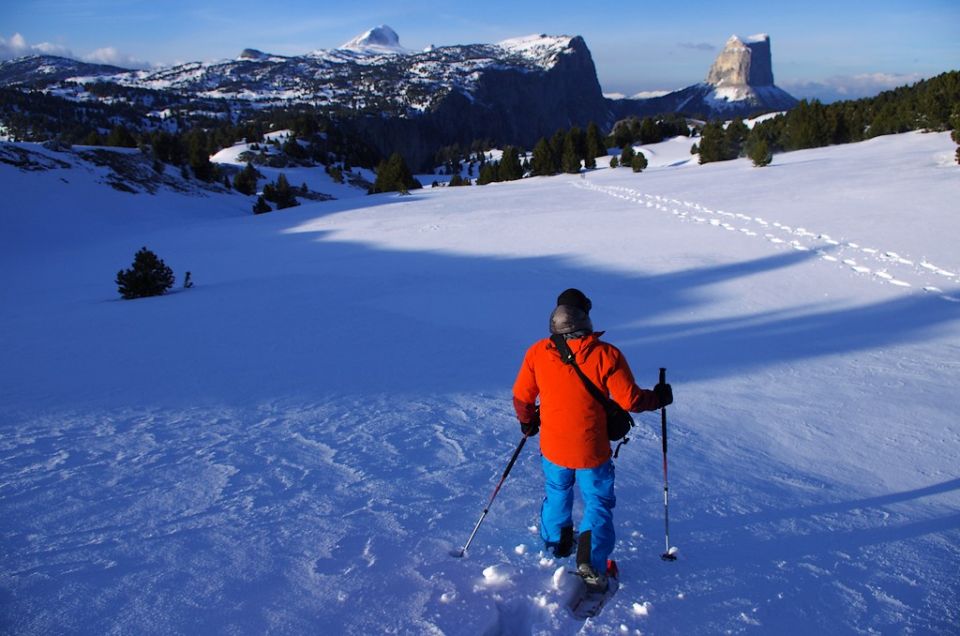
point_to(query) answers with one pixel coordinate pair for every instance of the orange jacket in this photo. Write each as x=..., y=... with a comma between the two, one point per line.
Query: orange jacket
x=573, y=426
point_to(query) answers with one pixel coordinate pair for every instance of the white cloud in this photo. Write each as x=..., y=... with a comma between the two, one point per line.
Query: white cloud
x=650, y=94
x=110, y=55
x=697, y=46
x=17, y=46
x=840, y=87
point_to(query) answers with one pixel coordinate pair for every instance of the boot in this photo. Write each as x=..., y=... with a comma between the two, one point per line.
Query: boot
x=565, y=548
x=595, y=581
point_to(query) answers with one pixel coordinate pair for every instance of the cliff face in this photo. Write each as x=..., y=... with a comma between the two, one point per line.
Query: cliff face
x=743, y=63
x=508, y=104
x=739, y=83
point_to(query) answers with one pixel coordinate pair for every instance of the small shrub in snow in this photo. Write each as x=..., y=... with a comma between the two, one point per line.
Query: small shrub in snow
x=261, y=206
x=639, y=162
x=614, y=162
x=335, y=173
x=149, y=276
x=281, y=193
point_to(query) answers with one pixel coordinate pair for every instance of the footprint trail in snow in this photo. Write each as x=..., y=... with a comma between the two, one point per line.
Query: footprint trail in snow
x=880, y=265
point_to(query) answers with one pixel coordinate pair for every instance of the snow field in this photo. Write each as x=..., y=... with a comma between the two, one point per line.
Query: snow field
x=299, y=441
x=801, y=239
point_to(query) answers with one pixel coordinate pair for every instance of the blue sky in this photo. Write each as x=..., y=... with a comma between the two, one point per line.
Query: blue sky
x=821, y=48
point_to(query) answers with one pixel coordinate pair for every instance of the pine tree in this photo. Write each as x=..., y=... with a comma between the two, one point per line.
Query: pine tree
x=556, y=150
x=595, y=147
x=626, y=155
x=121, y=137
x=733, y=138
x=649, y=132
x=261, y=206
x=760, y=153
x=543, y=162
x=639, y=162
x=93, y=138
x=149, y=276
x=579, y=139
x=510, y=168
x=245, y=182
x=198, y=155
x=807, y=127
x=712, y=142
x=489, y=173
x=293, y=149
x=393, y=175
x=570, y=162
x=281, y=193
x=955, y=133
x=614, y=162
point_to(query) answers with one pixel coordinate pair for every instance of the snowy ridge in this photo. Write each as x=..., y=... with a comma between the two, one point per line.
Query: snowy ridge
x=405, y=79
x=542, y=50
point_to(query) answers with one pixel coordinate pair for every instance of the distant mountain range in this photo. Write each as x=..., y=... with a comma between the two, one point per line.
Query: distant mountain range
x=515, y=91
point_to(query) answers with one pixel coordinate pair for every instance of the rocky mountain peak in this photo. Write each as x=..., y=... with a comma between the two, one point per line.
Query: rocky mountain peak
x=252, y=54
x=376, y=41
x=743, y=62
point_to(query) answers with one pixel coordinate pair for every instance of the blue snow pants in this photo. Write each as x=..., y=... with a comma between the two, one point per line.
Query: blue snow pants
x=596, y=487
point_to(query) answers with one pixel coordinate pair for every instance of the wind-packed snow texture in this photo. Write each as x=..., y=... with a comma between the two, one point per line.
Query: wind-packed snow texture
x=295, y=444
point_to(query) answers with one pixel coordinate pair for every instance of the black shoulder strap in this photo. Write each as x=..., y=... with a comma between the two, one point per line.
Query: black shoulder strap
x=568, y=358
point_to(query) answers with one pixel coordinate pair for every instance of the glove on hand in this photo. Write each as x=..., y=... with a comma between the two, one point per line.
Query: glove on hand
x=532, y=427
x=664, y=394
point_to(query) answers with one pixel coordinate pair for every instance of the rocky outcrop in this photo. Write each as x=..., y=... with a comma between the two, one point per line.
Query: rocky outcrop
x=743, y=63
x=739, y=84
x=507, y=104
x=252, y=54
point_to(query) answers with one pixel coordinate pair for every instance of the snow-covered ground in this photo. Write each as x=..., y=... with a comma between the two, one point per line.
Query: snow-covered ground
x=296, y=444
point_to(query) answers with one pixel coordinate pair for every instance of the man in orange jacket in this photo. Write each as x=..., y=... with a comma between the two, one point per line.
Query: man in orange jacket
x=574, y=441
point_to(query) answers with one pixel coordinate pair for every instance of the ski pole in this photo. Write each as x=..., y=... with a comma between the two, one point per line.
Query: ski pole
x=670, y=554
x=506, y=472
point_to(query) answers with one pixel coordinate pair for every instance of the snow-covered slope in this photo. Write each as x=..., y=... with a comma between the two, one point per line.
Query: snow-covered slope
x=295, y=444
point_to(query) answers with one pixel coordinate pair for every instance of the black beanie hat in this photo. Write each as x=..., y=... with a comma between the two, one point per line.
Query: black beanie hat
x=575, y=298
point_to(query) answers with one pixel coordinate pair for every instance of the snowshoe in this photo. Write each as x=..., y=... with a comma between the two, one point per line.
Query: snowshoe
x=593, y=590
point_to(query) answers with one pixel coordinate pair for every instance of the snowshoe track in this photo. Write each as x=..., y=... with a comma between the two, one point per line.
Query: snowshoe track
x=880, y=265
